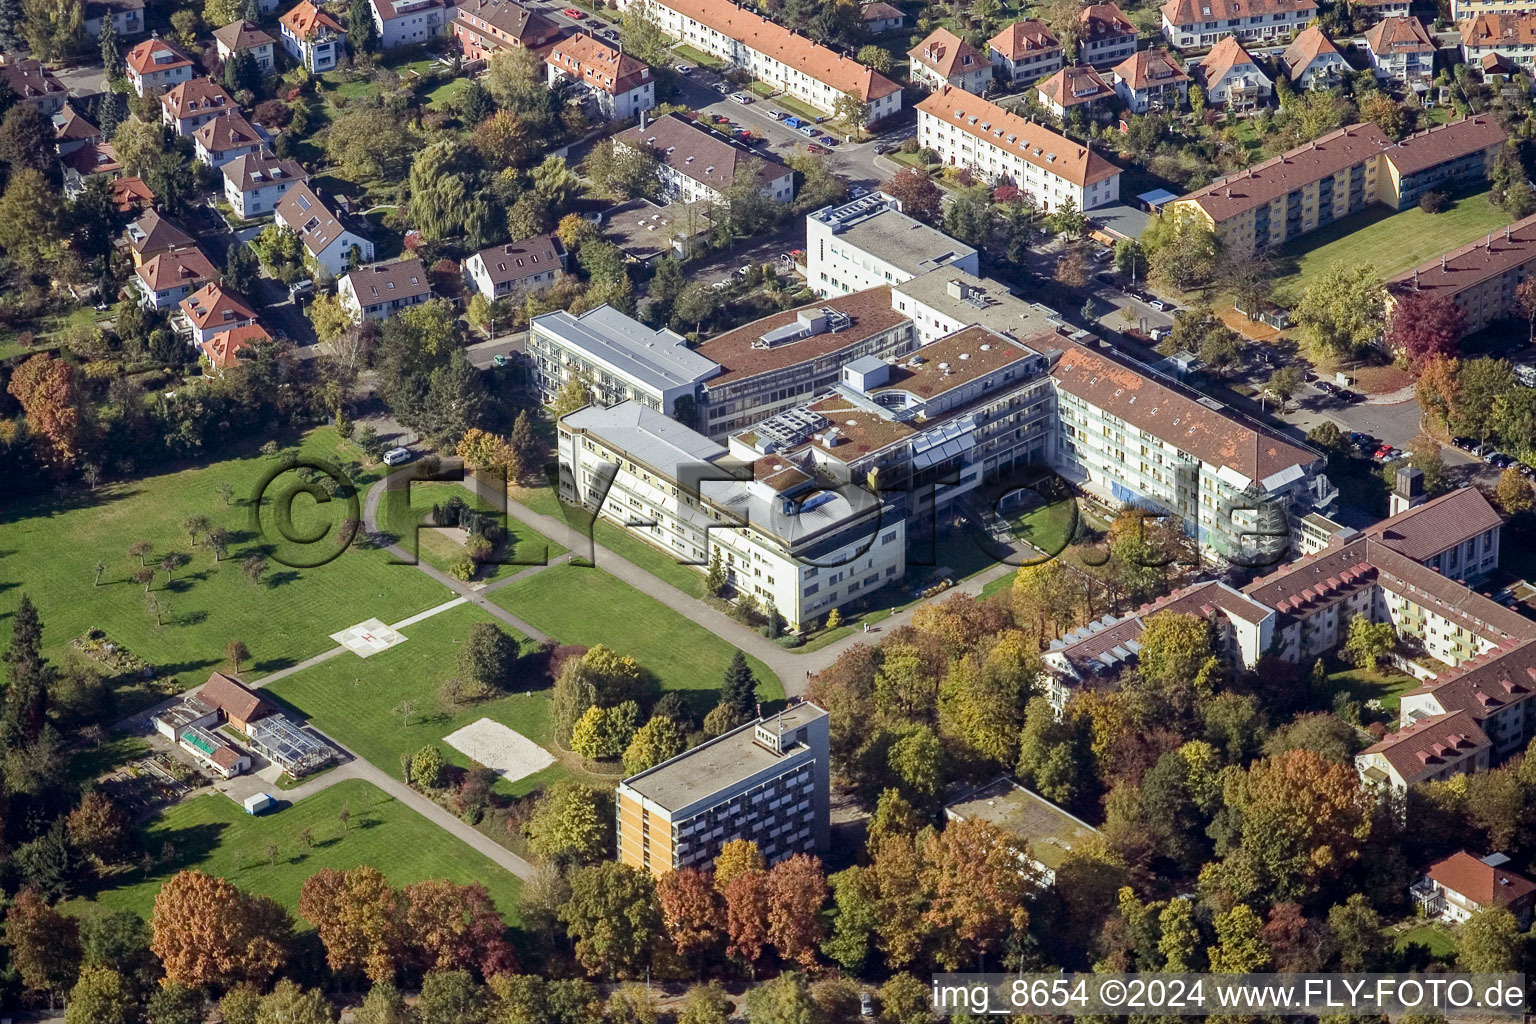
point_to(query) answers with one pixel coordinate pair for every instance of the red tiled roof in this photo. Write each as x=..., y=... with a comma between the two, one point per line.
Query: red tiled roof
x=230, y=696
x=198, y=96
x=223, y=349
x=597, y=64
x=945, y=53
x=1310, y=43
x=1223, y=58
x=227, y=131
x=699, y=153
x=1020, y=136
x=1429, y=745
x=93, y=158
x=185, y=265
x=1399, y=35
x=880, y=11
x=1263, y=183
x=156, y=233
x=1451, y=519
x=71, y=126
x=1468, y=876
x=131, y=193
x=212, y=305
x=1473, y=263
x=29, y=79
x=1495, y=30
x=531, y=30
x=1023, y=38
x=143, y=57
x=1104, y=21
x=1074, y=86
x=306, y=17
x=1189, y=12
x=1445, y=142
x=1150, y=69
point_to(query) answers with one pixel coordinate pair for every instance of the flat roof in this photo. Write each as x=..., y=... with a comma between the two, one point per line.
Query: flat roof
x=990, y=303
x=644, y=435
x=873, y=223
x=954, y=361
x=1051, y=832
x=718, y=764
x=659, y=359
x=739, y=355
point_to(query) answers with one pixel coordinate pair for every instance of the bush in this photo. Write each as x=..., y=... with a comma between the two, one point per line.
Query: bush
x=1434, y=202
x=462, y=569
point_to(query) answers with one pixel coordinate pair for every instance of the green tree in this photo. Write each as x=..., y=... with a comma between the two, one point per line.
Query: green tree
x=329, y=317
x=603, y=733
x=705, y=1004
x=1181, y=247
x=451, y=997
x=362, y=34
x=53, y=28
x=101, y=996
x=426, y=768
x=1131, y=259
x=623, y=171
x=1240, y=947
x=739, y=689
x=382, y=1005
x=1368, y=642
x=370, y=142
x=1341, y=310
x=613, y=917
x=571, y=822
x=783, y=1000
x=488, y=656
x=27, y=139
x=654, y=742
x=1481, y=383
x=1491, y=942
x=1179, y=936
x=173, y=1003
x=31, y=220
x=573, y=394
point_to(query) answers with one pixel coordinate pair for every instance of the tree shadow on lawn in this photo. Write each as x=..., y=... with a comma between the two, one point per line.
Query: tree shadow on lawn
x=272, y=664
x=187, y=848
x=178, y=667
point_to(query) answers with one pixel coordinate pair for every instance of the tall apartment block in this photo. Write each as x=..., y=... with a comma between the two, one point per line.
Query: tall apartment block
x=768, y=781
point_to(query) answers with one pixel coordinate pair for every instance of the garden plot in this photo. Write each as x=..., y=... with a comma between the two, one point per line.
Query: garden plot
x=505, y=751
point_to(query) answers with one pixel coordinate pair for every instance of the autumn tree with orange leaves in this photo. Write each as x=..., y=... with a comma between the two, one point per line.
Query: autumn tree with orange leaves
x=746, y=914
x=457, y=927
x=691, y=910
x=976, y=883
x=797, y=890
x=50, y=397
x=207, y=933
x=358, y=918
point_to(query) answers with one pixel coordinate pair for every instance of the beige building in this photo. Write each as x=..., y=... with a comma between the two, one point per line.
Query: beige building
x=1481, y=277
x=1025, y=51
x=946, y=59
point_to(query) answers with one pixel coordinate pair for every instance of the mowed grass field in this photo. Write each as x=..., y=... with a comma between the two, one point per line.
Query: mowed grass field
x=354, y=699
x=589, y=606
x=212, y=833
x=49, y=549
x=406, y=515
x=1391, y=241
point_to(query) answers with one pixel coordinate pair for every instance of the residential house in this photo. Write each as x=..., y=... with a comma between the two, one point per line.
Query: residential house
x=1482, y=278
x=1025, y=51
x=514, y=269
x=1232, y=78
x=1464, y=884
x=92, y=160
x=698, y=164
x=1368, y=12
x=485, y=27
x=127, y=17
x=168, y=277
x=235, y=704
x=806, y=70
x=131, y=195
x=1079, y=88
x=223, y=349
x=1194, y=24
x=1312, y=61
x=381, y=290
x=880, y=17
x=1462, y=10
x=190, y=105
x=609, y=81
x=211, y=310
x=945, y=58
x=246, y=37
x=1106, y=35
x=154, y=65
x=153, y=234
x=1151, y=80
x=1510, y=37
x=1432, y=749
x=411, y=22
x=254, y=182
x=1401, y=49
x=997, y=144
x=312, y=37
x=71, y=130
x=226, y=137
x=34, y=85
x=331, y=239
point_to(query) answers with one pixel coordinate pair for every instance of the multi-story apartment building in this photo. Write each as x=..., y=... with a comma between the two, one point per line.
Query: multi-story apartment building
x=504, y=271
x=1480, y=277
x=1432, y=749
x=1231, y=77
x=619, y=359
x=1461, y=10
x=1456, y=534
x=245, y=37
x=1402, y=50
x=126, y=16
x=611, y=83
x=1151, y=80
x=1339, y=174
x=168, y=277
x=35, y=85
x=1193, y=24
x=411, y=22
x=869, y=243
x=768, y=781
x=1368, y=12
x=1312, y=61
x=154, y=65
x=1508, y=36
x=225, y=138
x=486, y=27
x=1079, y=88
x=254, y=183
x=801, y=543
x=190, y=105
x=1000, y=146
x=698, y=164
x=946, y=59
x=1105, y=36
x=1025, y=51
x=773, y=54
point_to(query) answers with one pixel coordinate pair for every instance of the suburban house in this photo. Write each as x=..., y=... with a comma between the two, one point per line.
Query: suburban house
x=1338, y=174
x=808, y=71
x=1432, y=749
x=71, y=130
x=210, y=310
x=92, y=160
x=485, y=27
x=234, y=703
x=503, y=271
x=411, y=22
x=254, y=182
x=1107, y=36
x=1401, y=49
x=156, y=65
x=152, y=234
x=1151, y=80
x=1025, y=51
x=1481, y=277
x=193, y=104
x=945, y=58
x=226, y=137
x=1050, y=833
x=1312, y=61
x=1462, y=884
x=127, y=17
x=1231, y=77
x=131, y=195
x=223, y=350
x=1511, y=37
x=168, y=277
x=1192, y=24
x=329, y=236
x=700, y=164
x=1366, y=12
x=968, y=131
x=246, y=37
x=1078, y=88
x=610, y=82
x=880, y=17
x=381, y=290
x=312, y=37
x=34, y=85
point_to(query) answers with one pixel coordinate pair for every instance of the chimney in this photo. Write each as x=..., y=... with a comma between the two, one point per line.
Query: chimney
x=1442, y=261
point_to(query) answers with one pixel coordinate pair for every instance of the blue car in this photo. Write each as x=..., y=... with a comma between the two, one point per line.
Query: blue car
x=793, y=122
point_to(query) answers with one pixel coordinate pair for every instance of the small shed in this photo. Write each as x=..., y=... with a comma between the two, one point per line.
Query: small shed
x=257, y=802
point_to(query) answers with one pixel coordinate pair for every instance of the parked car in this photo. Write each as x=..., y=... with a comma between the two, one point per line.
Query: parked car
x=1383, y=453
x=741, y=97
x=1351, y=397
x=609, y=33
x=827, y=140
x=397, y=456
x=794, y=122
x=684, y=69
x=1466, y=444
x=499, y=361
x=808, y=130
x=1327, y=387
x=777, y=115
x=719, y=119
x=301, y=288
x=1158, y=304
x=574, y=14
x=884, y=148
x=721, y=88
x=813, y=148
x=1525, y=471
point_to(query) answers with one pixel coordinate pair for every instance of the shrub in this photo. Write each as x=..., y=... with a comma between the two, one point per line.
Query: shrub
x=462, y=569
x=1434, y=202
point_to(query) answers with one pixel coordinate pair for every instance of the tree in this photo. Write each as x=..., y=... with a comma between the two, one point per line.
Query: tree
x=1181, y=248
x=1525, y=298
x=362, y=34
x=31, y=220
x=1514, y=492
x=1284, y=383
x=736, y=856
x=52, y=28
x=978, y=886
x=172, y=1003
x=570, y=823
x=1341, y=310
x=573, y=394
x=705, y=1004
x=850, y=111
x=44, y=944
x=1131, y=259
x=253, y=567
x=98, y=828
x=746, y=896
x=1491, y=942
x=27, y=139
x=369, y=142
x=426, y=768
x=290, y=1003
x=603, y=733
x=50, y=397
x=207, y=932
x=692, y=911
x=1480, y=385
x=797, y=890
x=739, y=689
x=119, y=939
x=1240, y=947
x=1423, y=325
x=488, y=656
x=101, y=996
x=457, y=927
x=783, y=1000
x=613, y=917
x=918, y=195
x=658, y=740
x=329, y=317
x=357, y=916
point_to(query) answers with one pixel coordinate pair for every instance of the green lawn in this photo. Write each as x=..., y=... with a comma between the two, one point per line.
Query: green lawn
x=699, y=57
x=1439, y=940
x=440, y=97
x=794, y=106
x=354, y=700
x=214, y=834
x=1384, y=684
x=49, y=548
x=407, y=518
x=1391, y=241
x=588, y=606
x=1048, y=527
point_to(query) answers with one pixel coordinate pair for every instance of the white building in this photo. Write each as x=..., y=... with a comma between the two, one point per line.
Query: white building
x=190, y=105
x=615, y=85
x=1401, y=49
x=211, y=310
x=1077, y=88
x=868, y=243
x=246, y=37
x=254, y=182
x=802, y=545
x=698, y=164
x=1312, y=61
x=226, y=137
x=411, y=22
x=1192, y=24
x=806, y=70
x=504, y=271
x=1508, y=36
x=1461, y=10
x=312, y=37
x=998, y=145
x=1025, y=51
x=619, y=358
x=946, y=59
x=331, y=240
x=381, y=290
x=949, y=299
x=168, y=277
x=127, y=17
x=1151, y=80
x=155, y=65
x=1231, y=77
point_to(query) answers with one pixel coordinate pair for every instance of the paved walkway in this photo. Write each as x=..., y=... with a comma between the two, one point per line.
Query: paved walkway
x=1406, y=393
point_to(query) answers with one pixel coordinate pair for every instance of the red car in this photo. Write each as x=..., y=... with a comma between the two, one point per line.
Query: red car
x=574, y=14
x=817, y=149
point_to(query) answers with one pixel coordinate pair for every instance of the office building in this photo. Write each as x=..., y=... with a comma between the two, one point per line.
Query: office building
x=619, y=359
x=869, y=243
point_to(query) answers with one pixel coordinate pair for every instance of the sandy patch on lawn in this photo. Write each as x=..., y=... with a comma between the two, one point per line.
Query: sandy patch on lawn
x=505, y=751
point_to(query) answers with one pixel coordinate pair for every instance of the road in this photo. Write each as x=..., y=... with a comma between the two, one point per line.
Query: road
x=279, y=314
